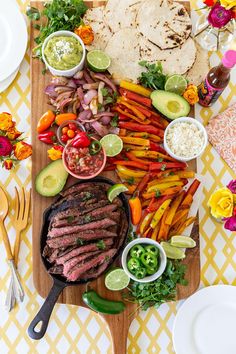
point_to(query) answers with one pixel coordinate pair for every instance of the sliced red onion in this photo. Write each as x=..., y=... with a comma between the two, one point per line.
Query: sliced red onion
x=80, y=93
x=94, y=105
x=89, y=96
x=78, y=75
x=79, y=82
x=72, y=84
x=85, y=106
x=50, y=91
x=92, y=86
x=100, y=95
x=87, y=77
x=85, y=115
x=105, y=79
x=109, y=114
x=100, y=129
x=114, y=130
x=59, y=80
x=64, y=103
x=62, y=96
x=60, y=89
x=105, y=120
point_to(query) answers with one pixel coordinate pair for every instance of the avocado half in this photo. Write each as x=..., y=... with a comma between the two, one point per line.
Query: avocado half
x=51, y=180
x=170, y=104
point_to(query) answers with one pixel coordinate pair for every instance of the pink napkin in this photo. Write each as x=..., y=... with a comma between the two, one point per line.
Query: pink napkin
x=222, y=135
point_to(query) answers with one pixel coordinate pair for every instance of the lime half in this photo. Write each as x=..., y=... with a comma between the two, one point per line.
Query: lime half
x=117, y=279
x=115, y=190
x=176, y=83
x=172, y=252
x=98, y=60
x=182, y=241
x=112, y=144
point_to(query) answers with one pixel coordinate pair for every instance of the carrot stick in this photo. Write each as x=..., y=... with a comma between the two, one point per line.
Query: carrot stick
x=164, y=228
x=193, y=188
x=174, y=207
x=188, y=222
x=179, y=215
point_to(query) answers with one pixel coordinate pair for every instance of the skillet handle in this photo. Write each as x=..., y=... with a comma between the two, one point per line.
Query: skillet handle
x=44, y=313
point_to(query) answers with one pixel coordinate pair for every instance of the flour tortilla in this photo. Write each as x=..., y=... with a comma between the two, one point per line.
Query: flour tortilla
x=166, y=24
x=102, y=33
x=120, y=14
x=174, y=61
x=123, y=49
x=200, y=68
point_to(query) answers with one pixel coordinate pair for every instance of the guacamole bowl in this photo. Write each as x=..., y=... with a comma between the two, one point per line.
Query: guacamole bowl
x=63, y=53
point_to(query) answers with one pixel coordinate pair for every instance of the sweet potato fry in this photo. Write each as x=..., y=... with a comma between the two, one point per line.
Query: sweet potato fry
x=193, y=188
x=174, y=229
x=188, y=199
x=164, y=228
x=187, y=222
x=179, y=216
x=174, y=207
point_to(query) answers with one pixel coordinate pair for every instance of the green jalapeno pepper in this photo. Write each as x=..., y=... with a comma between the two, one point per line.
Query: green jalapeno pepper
x=151, y=270
x=133, y=264
x=152, y=249
x=99, y=304
x=149, y=260
x=140, y=273
x=136, y=251
x=94, y=147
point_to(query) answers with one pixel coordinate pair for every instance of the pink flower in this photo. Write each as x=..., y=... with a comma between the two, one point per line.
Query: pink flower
x=5, y=146
x=230, y=223
x=219, y=16
x=232, y=186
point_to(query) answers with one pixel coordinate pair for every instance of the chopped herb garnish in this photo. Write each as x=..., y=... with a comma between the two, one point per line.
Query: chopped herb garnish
x=79, y=242
x=171, y=173
x=44, y=71
x=107, y=259
x=87, y=196
x=153, y=77
x=130, y=180
x=157, y=194
x=114, y=120
x=87, y=218
x=160, y=159
x=101, y=245
x=70, y=219
x=163, y=167
x=104, y=91
x=131, y=235
x=100, y=107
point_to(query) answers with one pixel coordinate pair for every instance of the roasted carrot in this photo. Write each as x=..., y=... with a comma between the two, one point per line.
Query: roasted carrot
x=122, y=132
x=179, y=215
x=174, y=207
x=188, y=222
x=193, y=188
x=127, y=114
x=164, y=228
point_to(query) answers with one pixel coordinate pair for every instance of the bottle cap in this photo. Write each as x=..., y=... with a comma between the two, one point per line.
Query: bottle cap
x=229, y=59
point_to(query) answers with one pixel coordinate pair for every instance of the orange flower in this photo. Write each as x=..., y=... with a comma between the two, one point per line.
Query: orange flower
x=22, y=150
x=85, y=32
x=8, y=164
x=55, y=153
x=191, y=94
x=6, y=121
x=13, y=133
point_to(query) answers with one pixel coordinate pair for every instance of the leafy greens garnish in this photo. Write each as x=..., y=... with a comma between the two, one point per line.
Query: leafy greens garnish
x=159, y=291
x=57, y=15
x=153, y=77
x=101, y=245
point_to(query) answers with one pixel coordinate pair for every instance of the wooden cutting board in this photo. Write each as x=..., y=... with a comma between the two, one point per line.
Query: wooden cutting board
x=119, y=324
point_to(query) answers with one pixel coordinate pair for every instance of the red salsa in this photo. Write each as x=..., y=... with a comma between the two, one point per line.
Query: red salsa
x=81, y=162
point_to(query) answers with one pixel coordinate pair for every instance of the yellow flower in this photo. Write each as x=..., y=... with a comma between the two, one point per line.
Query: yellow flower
x=6, y=121
x=191, y=94
x=13, y=133
x=22, y=150
x=221, y=203
x=228, y=4
x=55, y=153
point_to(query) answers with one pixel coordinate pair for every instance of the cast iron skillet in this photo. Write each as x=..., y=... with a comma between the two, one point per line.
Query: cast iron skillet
x=59, y=283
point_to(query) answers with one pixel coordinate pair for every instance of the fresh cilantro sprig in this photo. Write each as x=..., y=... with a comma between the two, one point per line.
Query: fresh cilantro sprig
x=153, y=77
x=159, y=291
x=56, y=15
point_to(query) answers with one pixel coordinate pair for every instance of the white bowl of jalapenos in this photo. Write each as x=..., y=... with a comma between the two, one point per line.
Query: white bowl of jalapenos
x=144, y=260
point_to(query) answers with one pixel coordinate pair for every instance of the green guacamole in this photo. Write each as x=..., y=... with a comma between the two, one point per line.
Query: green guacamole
x=63, y=53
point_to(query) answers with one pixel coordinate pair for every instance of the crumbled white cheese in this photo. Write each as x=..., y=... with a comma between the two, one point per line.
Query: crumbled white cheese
x=185, y=139
x=61, y=48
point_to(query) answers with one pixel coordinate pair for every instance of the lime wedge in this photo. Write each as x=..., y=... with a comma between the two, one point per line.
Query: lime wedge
x=117, y=279
x=182, y=241
x=98, y=60
x=115, y=190
x=112, y=144
x=176, y=83
x=172, y=252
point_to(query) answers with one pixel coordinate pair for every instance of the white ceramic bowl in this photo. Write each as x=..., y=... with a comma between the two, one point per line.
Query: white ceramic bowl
x=199, y=126
x=70, y=72
x=162, y=259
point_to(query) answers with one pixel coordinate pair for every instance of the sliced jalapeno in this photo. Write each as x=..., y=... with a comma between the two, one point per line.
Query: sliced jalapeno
x=151, y=270
x=133, y=264
x=149, y=260
x=136, y=251
x=152, y=249
x=140, y=273
x=94, y=147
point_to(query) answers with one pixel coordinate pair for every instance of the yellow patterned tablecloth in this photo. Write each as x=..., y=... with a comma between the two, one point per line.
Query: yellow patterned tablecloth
x=77, y=330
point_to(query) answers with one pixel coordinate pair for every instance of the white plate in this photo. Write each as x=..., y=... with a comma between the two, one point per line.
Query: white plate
x=13, y=38
x=205, y=323
x=7, y=82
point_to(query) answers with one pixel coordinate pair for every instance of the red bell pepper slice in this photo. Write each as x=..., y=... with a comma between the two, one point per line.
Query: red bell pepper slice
x=164, y=165
x=142, y=128
x=136, y=97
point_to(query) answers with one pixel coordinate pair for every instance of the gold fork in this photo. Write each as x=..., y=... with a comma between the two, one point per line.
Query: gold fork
x=22, y=208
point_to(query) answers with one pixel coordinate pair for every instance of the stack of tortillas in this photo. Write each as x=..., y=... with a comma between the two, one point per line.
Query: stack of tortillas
x=153, y=30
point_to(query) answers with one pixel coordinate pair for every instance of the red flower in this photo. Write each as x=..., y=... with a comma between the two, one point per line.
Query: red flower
x=8, y=164
x=219, y=16
x=5, y=146
x=209, y=2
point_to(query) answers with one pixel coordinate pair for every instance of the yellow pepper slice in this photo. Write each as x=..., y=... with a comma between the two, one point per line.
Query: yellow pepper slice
x=135, y=141
x=146, y=222
x=152, y=155
x=159, y=213
x=163, y=180
x=130, y=173
x=135, y=88
x=163, y=186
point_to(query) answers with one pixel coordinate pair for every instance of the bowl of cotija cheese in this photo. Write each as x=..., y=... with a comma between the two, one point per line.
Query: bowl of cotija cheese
x=185, y=139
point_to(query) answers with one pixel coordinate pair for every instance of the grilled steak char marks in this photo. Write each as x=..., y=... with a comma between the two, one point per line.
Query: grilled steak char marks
x=85, y=232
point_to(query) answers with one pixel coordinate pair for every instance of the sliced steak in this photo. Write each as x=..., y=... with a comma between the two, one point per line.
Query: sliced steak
x=83, y=219
x=78, y=188
x=83, y=249
x=56, y=269
x=73, y=239
x=47, y=251
x=100, y=224
x=123, y=230
x=77, y=271
x=78, y=260
x=53, y=256
x=95, y=272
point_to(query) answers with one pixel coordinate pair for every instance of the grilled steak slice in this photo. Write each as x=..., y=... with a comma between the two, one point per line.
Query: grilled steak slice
x=56, y=269
x=73, y=239
x=85, y=186
x=95, y=272
x=100, y=224
x=122, y=232
x=77, y=271
x=83, y=219
x=78, y=260
x=83, y=249
x=53, y=256
x=47, y=251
